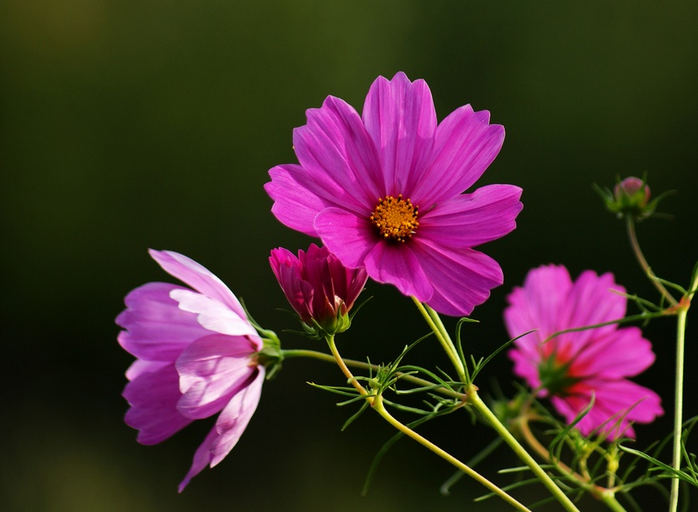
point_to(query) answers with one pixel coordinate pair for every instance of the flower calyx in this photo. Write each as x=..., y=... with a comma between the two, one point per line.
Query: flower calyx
x=630, y=197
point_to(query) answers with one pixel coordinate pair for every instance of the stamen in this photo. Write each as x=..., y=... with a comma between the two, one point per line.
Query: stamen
x=395, y=218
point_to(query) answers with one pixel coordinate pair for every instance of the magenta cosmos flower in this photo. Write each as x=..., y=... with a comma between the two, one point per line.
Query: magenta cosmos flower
x=318, y=287
x=196, y=356
x=383, y=192
x=573, y=367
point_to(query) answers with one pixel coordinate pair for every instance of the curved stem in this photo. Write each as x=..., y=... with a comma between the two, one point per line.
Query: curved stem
x=476, y=401
x=604, y=494
x=376, y=401
x=321, y=356
x=383, y=412
x=632, y=236
x=443, y=337
x=346, y=371
x=678, y=390
x=520, y=451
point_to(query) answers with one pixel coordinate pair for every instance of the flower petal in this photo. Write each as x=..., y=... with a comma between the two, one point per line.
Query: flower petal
x=526, y=359
x=468, y=220
x=295, y=203
x=212, y=314
x=465, y=145
x=211, y=370
x=461, y=279
x=617, y=404
x=141, y=366
x=346, y=235
x=155, y=328
x=621, y=353
x=229, y=427
x=538, y=304
x=399, y=116
x=337, y=152
x=592, y=300
x=198, y=277
x=398, y=265
x=153, y=399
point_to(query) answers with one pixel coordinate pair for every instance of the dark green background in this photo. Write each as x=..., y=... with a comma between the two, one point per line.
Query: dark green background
x=127, y=125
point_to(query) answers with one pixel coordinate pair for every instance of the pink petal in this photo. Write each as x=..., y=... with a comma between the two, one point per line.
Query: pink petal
x=526, y=365
x=398, y=265
x=399, y=116
x=295, y=202
x=198, y=277
x=235, y=417
x=211, y=370
x=153, y=399
x=592, y=300
x=539, y=303
x=229, y=427
x=465, y=144
x=141, y=366
x=335, y=150
x=213, y=315
x=461, y=279
x=621, y=353
x=346, y=235
x=468, y=220
x=156, y=329
x=617, y=404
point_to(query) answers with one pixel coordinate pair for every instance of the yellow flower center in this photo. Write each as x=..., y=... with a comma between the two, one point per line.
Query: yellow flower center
x=395, y=218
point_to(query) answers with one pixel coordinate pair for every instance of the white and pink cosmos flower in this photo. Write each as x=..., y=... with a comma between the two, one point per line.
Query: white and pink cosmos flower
x=383, y=191
x=573, y=367
x=196, y=356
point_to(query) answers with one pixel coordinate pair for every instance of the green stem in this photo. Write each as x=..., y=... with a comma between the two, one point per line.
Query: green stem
x=471, y=391
x=519, y=450
x=436, y=325
x=632, y=236
x=678, y=390
x=607, y=495
x=611, y=502
x=376, y=401
x=383, y=412
x=321, y=356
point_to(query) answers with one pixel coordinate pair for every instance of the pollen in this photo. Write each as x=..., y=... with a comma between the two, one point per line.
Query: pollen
x=395, y=218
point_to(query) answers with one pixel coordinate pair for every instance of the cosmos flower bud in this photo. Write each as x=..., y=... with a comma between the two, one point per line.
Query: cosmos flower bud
x=318, y=287
x=630, y=197
x=633, y=192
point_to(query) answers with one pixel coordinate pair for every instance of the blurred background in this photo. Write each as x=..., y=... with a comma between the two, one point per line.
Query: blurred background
x=127, y=125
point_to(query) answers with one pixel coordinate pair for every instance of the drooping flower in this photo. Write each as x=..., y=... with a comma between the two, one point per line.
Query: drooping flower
x=318, y=287
x=572, y=367
x=196, y=355
x=383, y=191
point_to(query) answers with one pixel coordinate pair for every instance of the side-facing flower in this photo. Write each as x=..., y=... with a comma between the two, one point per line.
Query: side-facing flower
x=383, y=191
x=318, y=287
x=196, y=355
x=573, y=367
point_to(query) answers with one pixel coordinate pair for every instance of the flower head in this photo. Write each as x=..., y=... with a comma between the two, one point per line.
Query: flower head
x=383, y=192
x=318, y=287
x=630, y=198
x=196, y=356
x=573, y=367
x=632, y=190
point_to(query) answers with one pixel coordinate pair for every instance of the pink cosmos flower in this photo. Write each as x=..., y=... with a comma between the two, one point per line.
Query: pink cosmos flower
x=573, y=367
x=196, y=356
x=318, y=287
x=383, y=192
